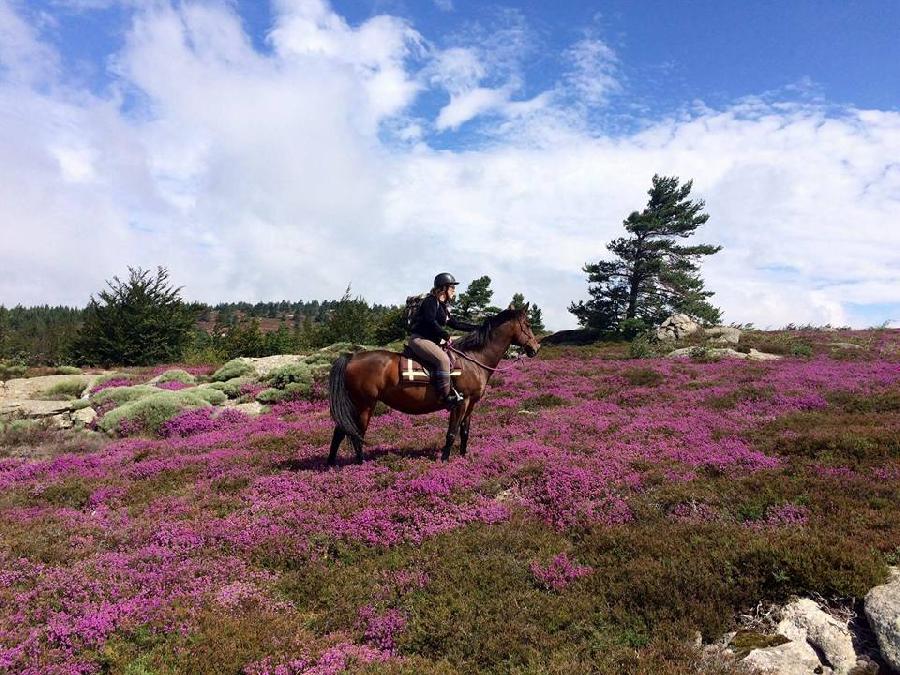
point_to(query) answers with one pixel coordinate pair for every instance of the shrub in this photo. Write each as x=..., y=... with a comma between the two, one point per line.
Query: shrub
x=212, y=396
x=232, y=369
x=646, y=346
x=68, y=370
x=65, y=390
x=119, y=395
x=149, y=412
x=177, y=375
x=299, y=373
x=270, y=396
x=704, y=354
x=11, y=372
x=801, y=349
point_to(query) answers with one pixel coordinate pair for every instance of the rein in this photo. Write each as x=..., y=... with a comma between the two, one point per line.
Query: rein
x=451, y=348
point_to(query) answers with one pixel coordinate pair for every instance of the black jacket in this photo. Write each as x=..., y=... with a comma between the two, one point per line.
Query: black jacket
x=432, y=317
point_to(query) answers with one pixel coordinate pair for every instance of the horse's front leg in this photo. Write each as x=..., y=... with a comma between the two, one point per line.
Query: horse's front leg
x=452, y=428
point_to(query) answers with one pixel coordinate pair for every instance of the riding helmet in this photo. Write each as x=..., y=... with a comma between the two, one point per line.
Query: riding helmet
x=445, y=279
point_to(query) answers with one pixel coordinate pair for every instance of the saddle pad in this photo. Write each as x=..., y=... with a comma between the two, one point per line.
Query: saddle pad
x=413, y=372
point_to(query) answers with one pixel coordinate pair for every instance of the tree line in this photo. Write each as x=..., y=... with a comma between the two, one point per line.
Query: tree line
x=649, y=275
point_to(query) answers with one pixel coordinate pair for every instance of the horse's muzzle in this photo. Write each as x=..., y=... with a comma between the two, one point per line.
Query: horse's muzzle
x=530, y=351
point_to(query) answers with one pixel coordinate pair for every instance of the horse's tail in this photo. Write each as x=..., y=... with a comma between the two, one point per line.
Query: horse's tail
x=343, y=412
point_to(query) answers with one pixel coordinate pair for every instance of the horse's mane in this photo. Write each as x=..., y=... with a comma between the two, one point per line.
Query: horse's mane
x=482, y=335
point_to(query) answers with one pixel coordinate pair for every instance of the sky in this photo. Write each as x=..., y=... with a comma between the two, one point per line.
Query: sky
x=285, y=149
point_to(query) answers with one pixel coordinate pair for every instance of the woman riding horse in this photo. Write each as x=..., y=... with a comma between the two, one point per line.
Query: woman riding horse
x=428, y=331
x=358, y=381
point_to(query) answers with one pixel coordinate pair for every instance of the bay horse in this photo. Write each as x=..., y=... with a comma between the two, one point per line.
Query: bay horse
x=358, y=381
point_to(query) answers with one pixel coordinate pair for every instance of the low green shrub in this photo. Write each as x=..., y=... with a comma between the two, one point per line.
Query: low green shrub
x=212, y=396
x=149, y=412
x=232, y=369
x=801, y=349
x=121, y=395
x=68, y=370
x=12, y=371
x=177, y=375
x=645, y=346
x=65, y=390
x=270, y=396
x=290, y=373
x=81, y=403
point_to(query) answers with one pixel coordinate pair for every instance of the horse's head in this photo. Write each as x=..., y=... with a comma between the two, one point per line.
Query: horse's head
x=522, y=334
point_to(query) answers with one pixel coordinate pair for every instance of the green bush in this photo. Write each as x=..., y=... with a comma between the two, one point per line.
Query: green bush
x=121, y=395
x=232, y=369
x=11, y=372
x=801, y=349
x=290, y=373
x=68, y=370
x=65, y=390
x=151, y=411
x=81, y=404
x=644, y=346
x=270, y=396
x=643, y=377
x=213, y=396
x=177, y=375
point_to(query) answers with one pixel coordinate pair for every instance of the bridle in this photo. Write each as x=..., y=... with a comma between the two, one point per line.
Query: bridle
x=450, y=348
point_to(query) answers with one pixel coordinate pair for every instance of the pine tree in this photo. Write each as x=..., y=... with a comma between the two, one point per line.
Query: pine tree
x=652, y=276
x=137, y=322
x=535, y=318
x=475, y=303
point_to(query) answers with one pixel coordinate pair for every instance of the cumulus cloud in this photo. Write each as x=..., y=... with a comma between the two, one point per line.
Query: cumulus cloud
x=258, y=175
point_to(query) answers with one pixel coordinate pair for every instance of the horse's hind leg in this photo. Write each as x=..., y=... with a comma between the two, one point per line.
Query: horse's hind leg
x=464, y=429
x=336, y=439
x=364, y=417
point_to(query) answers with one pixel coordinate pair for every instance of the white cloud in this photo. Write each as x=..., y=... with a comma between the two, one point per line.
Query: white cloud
x=257, y=175
x=593, y=76
x=444, y=5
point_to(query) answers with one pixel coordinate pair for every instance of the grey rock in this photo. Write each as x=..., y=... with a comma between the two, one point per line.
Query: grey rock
x=882, y=606
x=803, y=620
x=84, y=416
x=791, y=658
x=723, y=334
x=724, y=352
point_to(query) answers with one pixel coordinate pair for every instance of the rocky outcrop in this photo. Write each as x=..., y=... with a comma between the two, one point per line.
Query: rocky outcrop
x=882, y=606
x=677, y=327
x=803, y=621
x=721, y=352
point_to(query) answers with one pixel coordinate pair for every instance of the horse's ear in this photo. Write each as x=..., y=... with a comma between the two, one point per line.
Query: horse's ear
x=511, y=306
x=527, y=305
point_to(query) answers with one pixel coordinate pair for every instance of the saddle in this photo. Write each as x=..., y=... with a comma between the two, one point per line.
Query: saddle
x=413, y=372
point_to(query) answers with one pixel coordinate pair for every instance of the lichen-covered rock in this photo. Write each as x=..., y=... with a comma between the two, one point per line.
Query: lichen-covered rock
x=882, y=607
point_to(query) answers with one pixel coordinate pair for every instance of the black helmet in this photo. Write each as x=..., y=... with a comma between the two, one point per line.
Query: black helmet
x=445, y=279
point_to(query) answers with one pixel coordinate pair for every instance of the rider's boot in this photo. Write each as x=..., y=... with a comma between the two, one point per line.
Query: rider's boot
x=449, y=396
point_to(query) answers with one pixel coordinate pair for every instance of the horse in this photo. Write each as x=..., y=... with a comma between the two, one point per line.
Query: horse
x=358, y=381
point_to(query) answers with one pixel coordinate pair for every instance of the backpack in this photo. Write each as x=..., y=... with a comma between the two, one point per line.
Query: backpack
x=413, y=303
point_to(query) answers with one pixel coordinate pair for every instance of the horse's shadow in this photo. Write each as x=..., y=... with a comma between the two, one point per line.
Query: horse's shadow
x=320, y=462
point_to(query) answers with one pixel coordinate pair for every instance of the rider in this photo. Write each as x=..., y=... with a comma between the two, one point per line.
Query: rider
x=428, y=331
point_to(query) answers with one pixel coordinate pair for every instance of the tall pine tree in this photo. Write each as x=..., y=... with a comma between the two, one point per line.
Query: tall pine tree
x=652, y=275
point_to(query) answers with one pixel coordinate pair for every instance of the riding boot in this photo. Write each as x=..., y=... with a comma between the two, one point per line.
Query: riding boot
x=449, y=397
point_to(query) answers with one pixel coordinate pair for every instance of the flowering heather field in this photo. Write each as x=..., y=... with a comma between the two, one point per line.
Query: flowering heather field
x=607, y=509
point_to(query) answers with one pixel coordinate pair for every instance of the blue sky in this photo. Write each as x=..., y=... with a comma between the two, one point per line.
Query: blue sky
x=501, y=138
